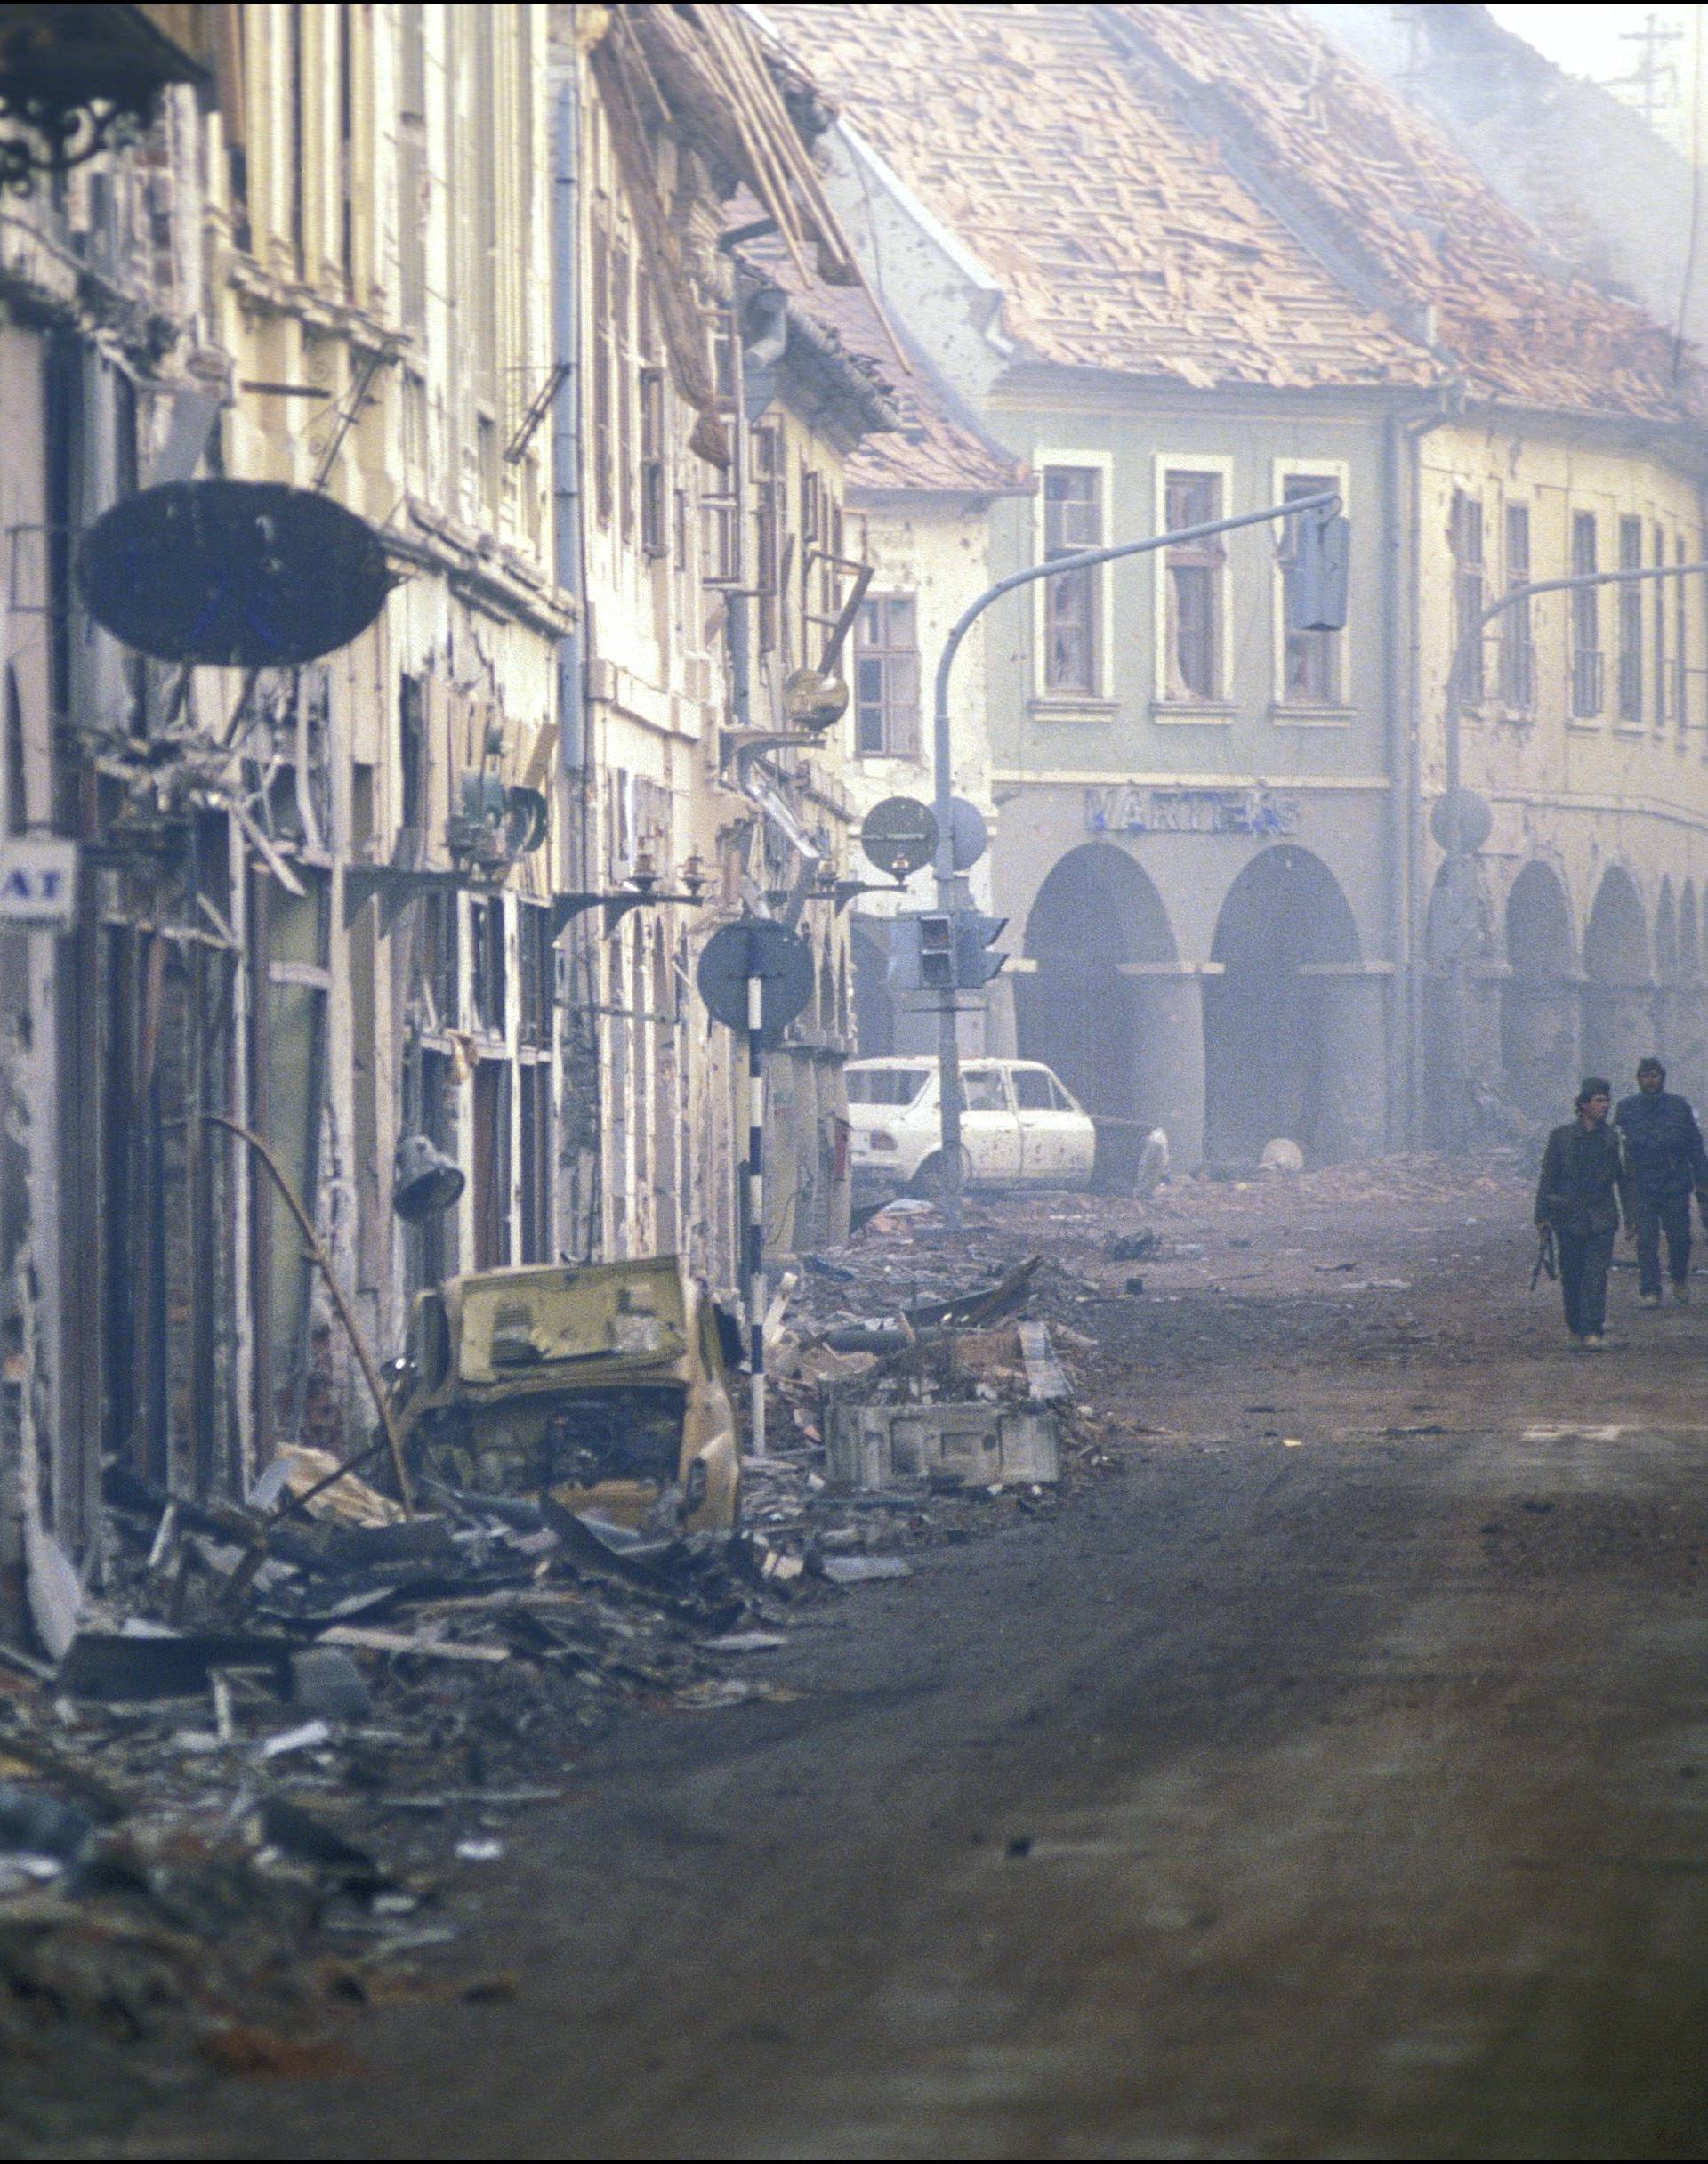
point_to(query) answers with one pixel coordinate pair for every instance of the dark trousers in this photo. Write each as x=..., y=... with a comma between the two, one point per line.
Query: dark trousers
x=1656, y=1215
x=1585, y=1259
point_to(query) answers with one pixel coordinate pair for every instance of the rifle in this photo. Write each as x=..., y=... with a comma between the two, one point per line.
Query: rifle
x=1545, y=1262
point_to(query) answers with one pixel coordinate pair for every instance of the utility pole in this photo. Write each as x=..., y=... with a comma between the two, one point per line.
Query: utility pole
x=1653, y=81
x=951, y=895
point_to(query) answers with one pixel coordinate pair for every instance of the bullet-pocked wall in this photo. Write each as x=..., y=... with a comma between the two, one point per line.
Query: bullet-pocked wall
x=1585, y=729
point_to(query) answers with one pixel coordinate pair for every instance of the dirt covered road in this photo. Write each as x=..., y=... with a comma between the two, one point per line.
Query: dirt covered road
x=1331, y=1779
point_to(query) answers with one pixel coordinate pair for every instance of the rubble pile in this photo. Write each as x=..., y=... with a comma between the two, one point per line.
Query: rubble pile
x=195, y=1800
x=256, y=1784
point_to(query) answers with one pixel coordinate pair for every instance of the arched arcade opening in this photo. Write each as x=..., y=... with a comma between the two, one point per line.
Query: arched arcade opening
x=1106, y=1005
x=1618, y=985
x=1539, y=1006
x=1292, y=1022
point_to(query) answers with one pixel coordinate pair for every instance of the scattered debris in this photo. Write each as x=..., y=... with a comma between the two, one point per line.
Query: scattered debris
x=857, y=1569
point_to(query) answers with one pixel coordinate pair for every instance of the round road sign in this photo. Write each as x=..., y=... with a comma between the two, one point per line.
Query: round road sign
x=968, y=836
x=899, y=836
x=756, y=947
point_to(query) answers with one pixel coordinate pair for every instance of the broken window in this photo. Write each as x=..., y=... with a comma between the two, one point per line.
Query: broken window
x=492, y=1164
x=886, y=678
x=1518, y=648
x=1311, y=670
x=438, y=961
x=1586, y=622
x=1193, y=630
x=1072, y=521
x=430, y=1253
x=1467, y=539
x=486, y=965
x=1630, y=623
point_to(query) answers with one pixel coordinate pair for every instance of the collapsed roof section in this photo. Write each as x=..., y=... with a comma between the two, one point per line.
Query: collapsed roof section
x=930, y=443
x=1216, y=195
x=701, y=76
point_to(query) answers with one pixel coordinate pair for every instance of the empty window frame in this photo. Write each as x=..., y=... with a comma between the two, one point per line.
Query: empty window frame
x=1469, y=594
x=1586, y=622
x=655, y=485
x=604, y=373
x=622, y=311
x=1312, y=672
x=1193, y=629
x=886, y=678
x=1631, y=623
x=412, y=753
x=1518, y=626
x=486, y=965
x=1072, y=604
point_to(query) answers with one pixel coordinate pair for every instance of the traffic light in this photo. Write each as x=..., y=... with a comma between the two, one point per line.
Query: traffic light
x=973, y=963
x=1316, y=590
x=936, y=954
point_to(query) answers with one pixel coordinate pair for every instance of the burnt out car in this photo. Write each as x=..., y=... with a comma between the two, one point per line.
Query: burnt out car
x=602, y=1385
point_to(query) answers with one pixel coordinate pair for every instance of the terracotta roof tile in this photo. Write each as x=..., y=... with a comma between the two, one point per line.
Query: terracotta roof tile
x=1074, y=150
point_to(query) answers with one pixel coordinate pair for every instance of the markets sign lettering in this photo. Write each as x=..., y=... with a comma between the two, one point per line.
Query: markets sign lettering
x=38, y=880
x=1131, y=810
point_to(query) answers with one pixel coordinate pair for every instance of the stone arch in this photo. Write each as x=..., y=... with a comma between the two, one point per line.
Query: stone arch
x=1288, y=1048
x=1689, y=935
x=1539, y=1006
x=1618, y=983
x=1099, y=1005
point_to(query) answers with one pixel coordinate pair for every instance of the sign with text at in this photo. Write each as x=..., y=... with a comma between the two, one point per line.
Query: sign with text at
x=38, y=880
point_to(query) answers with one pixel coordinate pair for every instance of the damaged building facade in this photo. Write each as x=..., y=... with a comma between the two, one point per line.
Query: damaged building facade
x=716, y=407
x=421, y=916
x=1187, y=263
x=311, y=903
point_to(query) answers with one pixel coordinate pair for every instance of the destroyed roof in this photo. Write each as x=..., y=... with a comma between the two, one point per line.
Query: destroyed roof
x=932, y=446
x=1218, y=195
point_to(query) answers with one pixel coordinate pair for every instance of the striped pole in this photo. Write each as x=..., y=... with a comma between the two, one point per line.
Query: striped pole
x=756, y=1207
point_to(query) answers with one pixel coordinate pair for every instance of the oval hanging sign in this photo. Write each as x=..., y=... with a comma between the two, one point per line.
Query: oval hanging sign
x=233, y=574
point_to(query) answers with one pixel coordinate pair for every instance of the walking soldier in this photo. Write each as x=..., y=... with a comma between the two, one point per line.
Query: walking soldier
x=1583, y=1182
x=1664, y=1160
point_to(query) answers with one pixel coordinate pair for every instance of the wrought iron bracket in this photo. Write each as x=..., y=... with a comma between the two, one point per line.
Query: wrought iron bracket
x=566, y=908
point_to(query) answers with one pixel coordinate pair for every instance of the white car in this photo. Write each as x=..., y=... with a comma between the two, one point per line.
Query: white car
x=1019, y=1126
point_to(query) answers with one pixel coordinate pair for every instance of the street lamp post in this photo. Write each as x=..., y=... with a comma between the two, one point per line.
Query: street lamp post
x=1459, y=848
x=951, y=892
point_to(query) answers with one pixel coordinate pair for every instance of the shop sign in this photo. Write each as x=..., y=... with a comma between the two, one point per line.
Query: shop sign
x=38, y=880
x=1129, y=809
